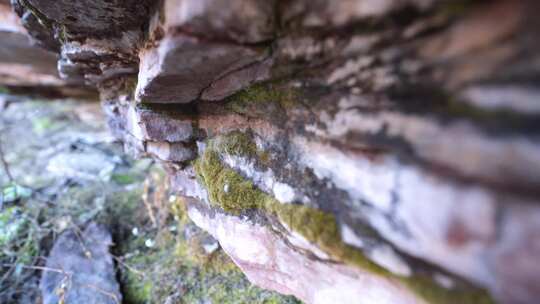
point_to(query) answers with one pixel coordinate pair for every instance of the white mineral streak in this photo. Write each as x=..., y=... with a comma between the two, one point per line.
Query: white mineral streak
x=270, y=263
x=133, y=127
x=387, y=257
x=459, y=145
x=184, y=11
x=283, y=192
x=382, y=254
x=349, y=236
x=264, y=180
x=515, y=98
x=299, y=241
x=427, y=206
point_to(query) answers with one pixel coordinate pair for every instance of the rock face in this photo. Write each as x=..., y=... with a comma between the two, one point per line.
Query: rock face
x=22, y=63
x=351, y=151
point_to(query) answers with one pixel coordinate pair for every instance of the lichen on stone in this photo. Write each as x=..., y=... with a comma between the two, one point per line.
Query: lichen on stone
x=230, y=191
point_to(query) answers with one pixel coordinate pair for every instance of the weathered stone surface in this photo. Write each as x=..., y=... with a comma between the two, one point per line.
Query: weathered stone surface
x=367, y=148
x=94, y=46
x=269, y=261
x=173, y=152
x=320, y=13
x=161, y=125
x=22, y=63
x=27, y=68
x=205, y=50
x=182, y=67
x=91, y=18
x=242, y=21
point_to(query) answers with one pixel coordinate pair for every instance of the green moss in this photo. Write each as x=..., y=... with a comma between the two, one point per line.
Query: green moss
x=19, y=240
x=12, y=223
x=261, y=99
x=63, y=34
x=234, y=194
x=123, y=179
x=178, y=209
x=455, y=8
x=137, y=289
x=316, y=226
x=227, y=188
x=321, y=229
x=29, y=249
x=236, y=143
x=179, y=270
x=42, y=125
x=433, y=293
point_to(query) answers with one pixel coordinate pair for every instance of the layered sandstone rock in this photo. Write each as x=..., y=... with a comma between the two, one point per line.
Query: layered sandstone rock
x=351, y=151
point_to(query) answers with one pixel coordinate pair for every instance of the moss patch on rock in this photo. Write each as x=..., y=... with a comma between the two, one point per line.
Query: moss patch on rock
x=268, y=99
x=226, y=188
x=178, y=269
x=231, y=192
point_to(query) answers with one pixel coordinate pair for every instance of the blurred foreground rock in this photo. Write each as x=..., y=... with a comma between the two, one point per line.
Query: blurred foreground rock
x=352, y=151
x=81, y=269
x=26, y=68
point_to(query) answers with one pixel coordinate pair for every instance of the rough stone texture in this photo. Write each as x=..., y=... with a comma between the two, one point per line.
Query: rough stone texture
x=240, y=21
x=27, y=68
x=410, y=127
x=181, y=68
x=205, y=49
x=269, y=261
x=94, y=46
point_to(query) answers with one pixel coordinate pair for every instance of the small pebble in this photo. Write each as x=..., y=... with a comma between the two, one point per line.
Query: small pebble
x=209, y=248
x=149, y=243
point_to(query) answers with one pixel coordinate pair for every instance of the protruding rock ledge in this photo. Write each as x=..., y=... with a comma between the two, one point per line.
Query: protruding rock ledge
x=409, y=127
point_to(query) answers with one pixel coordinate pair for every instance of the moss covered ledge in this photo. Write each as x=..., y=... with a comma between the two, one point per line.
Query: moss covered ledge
x=230, y=191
